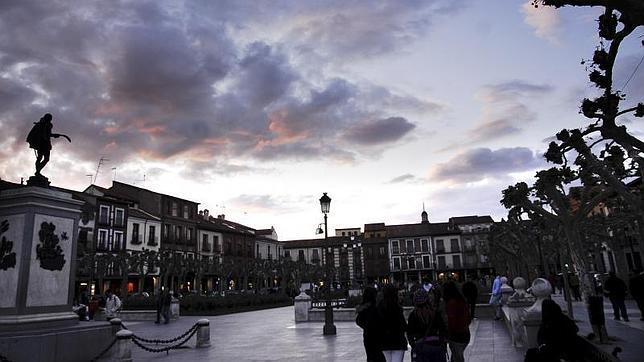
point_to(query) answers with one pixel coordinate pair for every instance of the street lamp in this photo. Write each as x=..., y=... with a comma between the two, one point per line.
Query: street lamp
x=329, y=327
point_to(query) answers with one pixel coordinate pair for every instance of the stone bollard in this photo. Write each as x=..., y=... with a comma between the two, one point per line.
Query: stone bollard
x=506, y=291
x=516, y=313
x=123, y=347
x=116, y=325
x=542, y=290
x=203, y=333
x=302, y=306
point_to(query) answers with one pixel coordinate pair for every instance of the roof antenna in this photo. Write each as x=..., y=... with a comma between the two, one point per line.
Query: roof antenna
x=101, y=161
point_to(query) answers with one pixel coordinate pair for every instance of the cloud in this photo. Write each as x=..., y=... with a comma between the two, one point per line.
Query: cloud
x=155, y=81
x=402, y=178
x=505, y=109
x=379, y=131
x=545, y=20
x=480, y=163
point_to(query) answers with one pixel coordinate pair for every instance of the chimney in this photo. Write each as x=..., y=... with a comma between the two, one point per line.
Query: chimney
x=222, y=217
x=206, y=214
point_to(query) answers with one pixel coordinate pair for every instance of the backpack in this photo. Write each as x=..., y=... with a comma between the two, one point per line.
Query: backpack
x=34, y=136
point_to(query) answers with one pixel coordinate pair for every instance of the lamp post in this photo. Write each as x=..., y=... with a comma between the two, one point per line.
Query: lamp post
x=329, y=327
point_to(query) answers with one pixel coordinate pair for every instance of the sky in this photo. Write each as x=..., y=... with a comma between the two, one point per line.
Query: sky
x=255, y=108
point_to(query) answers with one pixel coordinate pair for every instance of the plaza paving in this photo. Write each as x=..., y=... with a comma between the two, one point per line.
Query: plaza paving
x=272, y=335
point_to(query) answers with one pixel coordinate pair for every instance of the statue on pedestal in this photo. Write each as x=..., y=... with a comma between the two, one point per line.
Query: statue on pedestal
x=39, y=138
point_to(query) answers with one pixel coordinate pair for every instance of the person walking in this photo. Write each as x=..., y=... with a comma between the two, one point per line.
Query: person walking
x=615, y=288
x=391, y=326
x=159, y=307
x=458, y=321
x=426, y=330
x=636, y=285
x=471, y=293
x=495, y=298
x=367, y=319
x=165, y=308
x=112, y=305
x=573, y=281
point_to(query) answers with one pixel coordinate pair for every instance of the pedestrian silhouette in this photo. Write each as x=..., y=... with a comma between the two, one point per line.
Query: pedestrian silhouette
x=367, y=319
x=392, y=325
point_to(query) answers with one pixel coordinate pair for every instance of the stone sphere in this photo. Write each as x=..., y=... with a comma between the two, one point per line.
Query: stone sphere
x=504, y=280
x=541, y=288
x=519, y=283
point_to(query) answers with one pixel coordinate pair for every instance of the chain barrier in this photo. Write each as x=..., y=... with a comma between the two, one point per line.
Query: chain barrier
x=103, y=352
x=162, y=341
x=167, y=348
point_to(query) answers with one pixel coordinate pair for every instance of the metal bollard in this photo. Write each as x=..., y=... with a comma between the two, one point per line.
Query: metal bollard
x=203, y=333
x=116, y=325
x=123, y=348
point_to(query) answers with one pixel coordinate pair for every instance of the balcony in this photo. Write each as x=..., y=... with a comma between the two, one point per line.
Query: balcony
x=205, y=247
x=440, y=250
x=456, y=250
x=217, y=249
x=469, y=248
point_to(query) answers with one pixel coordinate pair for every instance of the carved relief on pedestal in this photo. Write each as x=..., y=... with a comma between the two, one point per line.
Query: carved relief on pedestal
x=7, y=255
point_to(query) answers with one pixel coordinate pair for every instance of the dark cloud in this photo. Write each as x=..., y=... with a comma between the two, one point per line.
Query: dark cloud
x=402, y=178
x=379, y=131
x=151, y=80
x=480, y=163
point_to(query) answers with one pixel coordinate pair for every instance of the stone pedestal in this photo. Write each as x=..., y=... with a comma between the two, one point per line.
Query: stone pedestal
x=40, y=226
x=38, y=231
x=302, y=305
x=541, y=290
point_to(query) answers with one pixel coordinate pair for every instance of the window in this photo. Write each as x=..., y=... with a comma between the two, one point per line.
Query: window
x=417, y=245
x=166, y=231
x=369, y=252
x=185, y=212
x=410, y=246
x=268, y=248
x=118, y=239
x=300, y=255
x=440, y=247
x=441, y=262
x=257, y=254
x=189, y=234
x=382, y=251
x=152, y=235
x=174, y=209
x=204, y=243
x=316, y=256
x=394, y=247
x=215, y=244
x=135, y=234
x=102, y=239
x=454, y=245
x=634, y=261
x=426, y=262
x=377, y=235
x=343, y=233
x=411, y=263
x=396, y=263
x=104, y=215
x=177, y=233
x=403, y=248
x=287, y=254
x=456, y=259
x=119, y=216
x=424, y=246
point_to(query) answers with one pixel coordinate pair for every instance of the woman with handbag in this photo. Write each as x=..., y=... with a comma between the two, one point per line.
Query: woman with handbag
x=391, y=326
x=426, y=330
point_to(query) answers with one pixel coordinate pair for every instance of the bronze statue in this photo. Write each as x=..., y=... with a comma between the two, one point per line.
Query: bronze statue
x=39, y=138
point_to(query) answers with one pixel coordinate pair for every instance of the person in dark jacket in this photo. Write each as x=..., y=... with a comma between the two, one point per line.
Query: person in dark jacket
x=471, y=293
x=636, y=285
x=367, y=319
x=615, y=288
x=391, y=325
x=557, y=336
x=458, y=321
x=427, y=330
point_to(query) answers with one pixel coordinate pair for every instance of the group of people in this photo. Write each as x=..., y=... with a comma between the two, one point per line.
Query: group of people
x=86, y=309
x=164, y=301
x=439, y=320
x=616, y=290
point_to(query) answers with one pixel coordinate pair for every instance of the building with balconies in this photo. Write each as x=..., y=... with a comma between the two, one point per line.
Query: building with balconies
x=475, y=243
